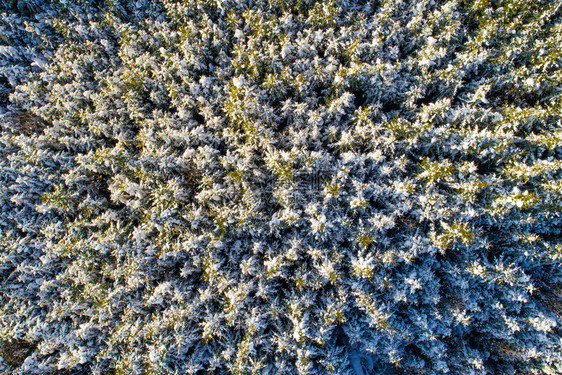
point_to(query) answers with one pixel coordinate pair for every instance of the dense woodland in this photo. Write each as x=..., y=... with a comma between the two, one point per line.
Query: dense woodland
x=281, y=187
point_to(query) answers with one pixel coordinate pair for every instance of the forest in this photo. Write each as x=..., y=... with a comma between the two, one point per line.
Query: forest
x=277, y=187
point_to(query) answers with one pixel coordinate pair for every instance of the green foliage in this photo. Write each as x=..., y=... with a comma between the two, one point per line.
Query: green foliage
x=279, y=187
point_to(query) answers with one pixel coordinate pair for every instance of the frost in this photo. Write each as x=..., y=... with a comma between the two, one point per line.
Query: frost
x=279, y=187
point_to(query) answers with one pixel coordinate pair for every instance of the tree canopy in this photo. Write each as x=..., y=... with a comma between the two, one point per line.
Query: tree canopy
x=281, y=187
